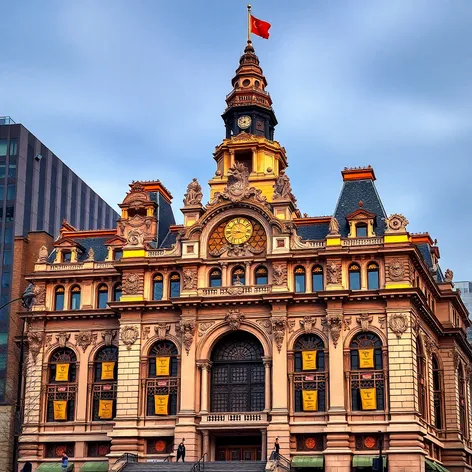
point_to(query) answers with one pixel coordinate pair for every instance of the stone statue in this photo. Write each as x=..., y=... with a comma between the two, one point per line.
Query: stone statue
x=194, y=193
x=90, y=255
x=333, y=226
x=282, y=188
x=448, y=275
x=43, y=255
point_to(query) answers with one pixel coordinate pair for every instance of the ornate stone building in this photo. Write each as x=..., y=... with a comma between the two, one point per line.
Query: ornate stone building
x=249, y=322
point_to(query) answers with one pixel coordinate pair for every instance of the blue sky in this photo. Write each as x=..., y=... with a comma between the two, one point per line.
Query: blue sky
x=126, y=90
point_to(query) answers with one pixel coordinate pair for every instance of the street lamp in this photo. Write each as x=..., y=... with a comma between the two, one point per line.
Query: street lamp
x=27, y=301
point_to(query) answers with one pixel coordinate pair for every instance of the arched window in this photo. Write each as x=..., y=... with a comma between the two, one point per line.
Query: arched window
x=354, y=277
x=162, y=383
x=237, y=374
x=462, y=400
x=105, y=370
x=317, y=278
x=300, y=285
x=261, y=275
x=215, y=278
x=62, y=386
x=421, y=376
x=174, y=285
x=75, y=298
x=157, y=287
x=361, y=230
x=373, y=276
x=102, y=296
x=238, y=276
x=309, y=379
x=117, y=292
x=437, y=393
x=59, y=294
x=367, y=376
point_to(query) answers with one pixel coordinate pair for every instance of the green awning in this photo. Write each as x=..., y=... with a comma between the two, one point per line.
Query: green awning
x=94, y=467
x=366, y=461
x=435, y=466
x=308, y=461
x=54, y=467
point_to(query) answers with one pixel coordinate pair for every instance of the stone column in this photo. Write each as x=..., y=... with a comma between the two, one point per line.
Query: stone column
x=224, y=274
x=264, y=444
x=308, y=278
x=205, y=367
x=267, y=361
x=206, y=444
x=249, y=277
x=165, y=285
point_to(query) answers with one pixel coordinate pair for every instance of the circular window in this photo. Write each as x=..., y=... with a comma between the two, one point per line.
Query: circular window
x=246, y=82
x=257, y=83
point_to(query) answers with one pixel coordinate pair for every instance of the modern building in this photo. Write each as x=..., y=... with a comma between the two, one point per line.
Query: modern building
x=337, y=335
x=37, y=192
x=465, y=288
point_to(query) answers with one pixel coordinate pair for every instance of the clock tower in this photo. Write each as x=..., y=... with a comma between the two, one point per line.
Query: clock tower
x=250, y=122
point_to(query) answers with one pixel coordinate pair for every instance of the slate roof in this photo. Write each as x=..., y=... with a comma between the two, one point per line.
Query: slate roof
x=166, y=219
x=425, y=251
x=314, y=231
x=168, y=240
x=352, y=193
x=98, y=246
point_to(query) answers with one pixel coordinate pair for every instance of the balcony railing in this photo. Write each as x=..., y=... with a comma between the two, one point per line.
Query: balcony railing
x=234, y=418
x=234, y=290
x=163, y=252
x=78, y=266
x=362, y=241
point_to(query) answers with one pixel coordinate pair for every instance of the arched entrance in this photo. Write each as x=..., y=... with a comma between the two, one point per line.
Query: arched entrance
x=237, y=386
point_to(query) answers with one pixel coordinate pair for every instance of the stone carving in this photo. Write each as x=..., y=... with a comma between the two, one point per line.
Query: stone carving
x=90, y=255
x=43, y=255
x=333, y=324
x=365, y=320
x=266, y=325
x=291, y=325
x=347, y=320
x=278, y=325
x=429, y=345
x=333, y=227
x=383, y=321
x=161, y=330
x=48, y=340
x=396, y=269
x=234, y=318
x=237, y=289
x=334, y=273
x=279, y=274
x=237, y=188
x=186, y=329
x=84, y=339
x=236, y=250
x=308, y=324
x=398, y=323
x=190, y=279
x=132, y=283
x=39, y=294
x=35, y=342
x=129, y=335
x=448, y=275
x=145, y=333
x=194, y=193
x=395, y=223
x=204, y=327
x=282, y=188
x=455, y=358
x=135, y=237
x=108, y=335
x=62, y=339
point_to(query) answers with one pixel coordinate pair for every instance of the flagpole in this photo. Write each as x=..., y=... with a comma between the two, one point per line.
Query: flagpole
x=249, y=23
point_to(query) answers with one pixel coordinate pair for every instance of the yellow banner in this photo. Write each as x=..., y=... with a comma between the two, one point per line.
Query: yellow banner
x=162, y=365
x=62, y=372
x=369, y=398
x=105, y=409
x=60, y=409
x=366, y=358
x=108, y=371
x=310, y=400
x=161, y=404
x=309, y=360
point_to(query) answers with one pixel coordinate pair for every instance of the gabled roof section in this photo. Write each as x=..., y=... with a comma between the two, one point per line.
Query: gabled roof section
x=312, y=227
x=359, y=193
x=115, y=241
x=67, y=242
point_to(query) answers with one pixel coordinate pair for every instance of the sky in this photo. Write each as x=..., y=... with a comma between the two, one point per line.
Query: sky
x=125, y=90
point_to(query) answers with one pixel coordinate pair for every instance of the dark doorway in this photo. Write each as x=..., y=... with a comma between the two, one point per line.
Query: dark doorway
x=238, y=448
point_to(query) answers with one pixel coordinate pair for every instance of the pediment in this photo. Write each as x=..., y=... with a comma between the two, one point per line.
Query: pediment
x=115, y=241
x=360, y=214
x=67, y=243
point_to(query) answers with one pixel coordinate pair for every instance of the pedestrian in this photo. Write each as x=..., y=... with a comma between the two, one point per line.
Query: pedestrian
x=276, y=447
x=181, y=451
x=28, y=467
x=64, y=461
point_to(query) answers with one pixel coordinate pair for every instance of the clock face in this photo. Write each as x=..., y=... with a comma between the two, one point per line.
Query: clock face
x=244, y=121
x=238, y=231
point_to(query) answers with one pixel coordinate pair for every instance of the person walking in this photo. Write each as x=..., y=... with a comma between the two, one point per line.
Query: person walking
x=64, y=461
x=276, y=447
x=28, y=467
x=181, y=451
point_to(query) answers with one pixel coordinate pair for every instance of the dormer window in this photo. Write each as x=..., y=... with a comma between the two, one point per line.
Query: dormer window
x=117, y=254
x=66, y=256
x=361, y=230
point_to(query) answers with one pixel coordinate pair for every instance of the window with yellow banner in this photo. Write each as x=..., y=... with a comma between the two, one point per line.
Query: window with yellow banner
x=368, y=398
x=105, y=409
x=310, y=400
x=309, y=360
x=366, y=358
x=161, y=404
x=108, y=370
x=60, y=410
x=62, y=373
x=162, y=366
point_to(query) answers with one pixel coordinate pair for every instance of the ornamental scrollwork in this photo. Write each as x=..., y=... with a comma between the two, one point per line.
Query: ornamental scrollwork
x=194, y=193
x=395, y=223
x=265, y=325
x=135, y=237
x=204, y=327
x=396, y=269
x=108, y=335
x=161, y=330
x=84, y=339
x=39, y=294
x=129, y=335
x=234, y=318
x=278, y=326
x=398, y=323
x=308, y=324
x=333, y=324
x=35, y=342
x=365, y=321
x=190, y=279
x=62, y=338
x=282, y=188
x=279, y=274
x=186, y=330
x=334, y=273
x=132, y=283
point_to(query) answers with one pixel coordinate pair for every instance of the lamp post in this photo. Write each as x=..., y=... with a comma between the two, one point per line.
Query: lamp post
x=27, y=300
x=381, y=464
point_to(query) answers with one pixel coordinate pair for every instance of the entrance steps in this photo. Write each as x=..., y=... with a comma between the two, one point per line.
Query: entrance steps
x=243, y=466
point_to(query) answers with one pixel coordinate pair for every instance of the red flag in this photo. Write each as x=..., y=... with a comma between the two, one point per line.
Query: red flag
x=260, y=27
